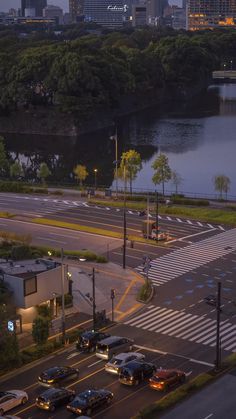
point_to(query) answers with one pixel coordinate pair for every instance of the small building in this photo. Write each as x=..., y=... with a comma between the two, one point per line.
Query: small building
x=33, y=282
x=139, y=15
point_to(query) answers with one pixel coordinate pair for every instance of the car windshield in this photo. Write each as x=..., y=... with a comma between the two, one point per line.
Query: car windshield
x=116, y=361
x=101, y=347
x=126, y=372
x=158, y=379
x=52, y=372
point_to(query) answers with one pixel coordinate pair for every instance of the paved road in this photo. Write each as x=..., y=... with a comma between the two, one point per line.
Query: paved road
x=214, y=402
x=92, y=374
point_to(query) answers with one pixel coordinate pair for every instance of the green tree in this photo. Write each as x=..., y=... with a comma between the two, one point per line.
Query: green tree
x=40, y=330
x=16, y=170
x=130, y=165
x=176, y=180
x=222, y=184
x=44, y=172
x=3, y=156
x=162, y=170
x=80, y=173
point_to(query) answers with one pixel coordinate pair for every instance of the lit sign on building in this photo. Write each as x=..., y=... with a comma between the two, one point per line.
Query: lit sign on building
x=118, y=8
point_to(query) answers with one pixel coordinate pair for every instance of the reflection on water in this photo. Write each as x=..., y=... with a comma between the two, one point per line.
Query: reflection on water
x=199, y=140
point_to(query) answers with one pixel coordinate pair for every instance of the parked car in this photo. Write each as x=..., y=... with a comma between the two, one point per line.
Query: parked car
x=108, y=347
x=118, y=361
x=164, y=379
x=88, y=340
x=10, y=417
x=53, y=398
x=11, y=399
x=135, y=372
x=57, y=376
x=90, y=400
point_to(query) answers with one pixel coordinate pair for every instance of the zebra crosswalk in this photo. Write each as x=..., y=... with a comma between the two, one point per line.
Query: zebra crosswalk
x=181, y=261
x=186, y=326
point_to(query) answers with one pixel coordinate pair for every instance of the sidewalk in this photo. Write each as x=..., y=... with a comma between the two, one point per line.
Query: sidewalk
x=126, y=284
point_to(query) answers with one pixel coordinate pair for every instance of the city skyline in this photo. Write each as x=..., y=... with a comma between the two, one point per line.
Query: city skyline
x=64, y=4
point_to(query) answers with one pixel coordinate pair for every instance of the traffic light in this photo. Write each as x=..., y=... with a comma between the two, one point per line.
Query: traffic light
x=113, y=293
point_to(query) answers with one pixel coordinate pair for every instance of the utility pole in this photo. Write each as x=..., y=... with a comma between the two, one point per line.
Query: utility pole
x=218, y=305
x=157, y=226
x=94, y=302
x=63, y=325
x=116, y=141
x=147, y=216
x=112, y=304
x=124, y=220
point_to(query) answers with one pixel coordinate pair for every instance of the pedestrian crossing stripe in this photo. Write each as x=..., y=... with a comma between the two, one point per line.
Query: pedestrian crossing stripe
x=181, y=261
x=186, y=326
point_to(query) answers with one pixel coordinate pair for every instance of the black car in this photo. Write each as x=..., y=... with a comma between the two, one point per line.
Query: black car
x=88, y=340
x=88, y=401
x=53, y=398
x=136, y=371
x=57, y=376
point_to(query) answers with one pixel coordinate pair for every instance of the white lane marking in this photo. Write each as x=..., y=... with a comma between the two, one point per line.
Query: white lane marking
x=189, y=222
x=85, y=204
x=31, y=214
x=66, y=202
x=227, y=280
x=188, y=373
x=192, y=235
x=179, y=220
x=200, y=224
x=211, y=226
x=108, y=209
x=94, y=363
x=209, y=416
x=196, y=361
x=4, y=225
x=73, y=355
x=168, y=218
x=221, y=228
x=145, y=348
x=50, y=240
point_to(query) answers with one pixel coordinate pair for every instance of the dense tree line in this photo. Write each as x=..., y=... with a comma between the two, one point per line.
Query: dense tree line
x=80, y=73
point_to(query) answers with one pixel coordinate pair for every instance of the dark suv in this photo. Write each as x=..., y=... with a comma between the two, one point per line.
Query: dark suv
x=88, y=401
x=53, y=398
x=57, y=376
x=136, y=371
x=88, y=340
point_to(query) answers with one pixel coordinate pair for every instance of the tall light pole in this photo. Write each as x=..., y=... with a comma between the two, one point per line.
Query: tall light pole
x=63, y=325
x=157, y=226
x=95, y=178
x=124, y=219
x=114, y=138
x=93, y=297
x=218, y=308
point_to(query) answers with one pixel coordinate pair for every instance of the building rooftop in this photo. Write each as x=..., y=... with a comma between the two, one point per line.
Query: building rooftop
x=25, y=267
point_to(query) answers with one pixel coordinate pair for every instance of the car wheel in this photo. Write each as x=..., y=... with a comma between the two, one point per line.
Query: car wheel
x=1, y=412
x=109, y=400
x=52, y=408
x=24, y=400
x=88, y=412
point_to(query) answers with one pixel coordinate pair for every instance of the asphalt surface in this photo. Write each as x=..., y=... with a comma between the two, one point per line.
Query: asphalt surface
x=177, y=329
x=92, y=375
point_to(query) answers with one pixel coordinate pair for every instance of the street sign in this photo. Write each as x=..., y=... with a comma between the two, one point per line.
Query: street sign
x=10, y=326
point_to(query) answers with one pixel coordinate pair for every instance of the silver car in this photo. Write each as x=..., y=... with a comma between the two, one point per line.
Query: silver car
x=11, y=399
x=118, y=361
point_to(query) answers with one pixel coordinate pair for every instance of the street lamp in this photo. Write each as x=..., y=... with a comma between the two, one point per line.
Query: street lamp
x=63, y=325
x=95, y=178
x=124, y=219
x=224, y=69
x=93, y=293
x=231, y=65
x=114, y=138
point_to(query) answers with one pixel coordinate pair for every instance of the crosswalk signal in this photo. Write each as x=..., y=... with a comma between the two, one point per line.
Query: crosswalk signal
x=113, y=293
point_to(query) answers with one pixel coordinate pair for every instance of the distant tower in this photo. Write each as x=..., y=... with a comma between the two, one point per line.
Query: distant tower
x=33, y=7
x=76, y=8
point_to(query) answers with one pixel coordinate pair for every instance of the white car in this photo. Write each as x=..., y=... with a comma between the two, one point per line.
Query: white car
x=118, y=361
x=11, y=399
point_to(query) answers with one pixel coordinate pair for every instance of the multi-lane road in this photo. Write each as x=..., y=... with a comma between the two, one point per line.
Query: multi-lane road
x=177, y=329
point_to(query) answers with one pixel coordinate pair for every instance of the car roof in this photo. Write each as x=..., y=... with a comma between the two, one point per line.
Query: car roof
x=51, y=391
x=166, y=373
x=87, y=393
x=110, y=339
x=89, y=334
x=135, y=364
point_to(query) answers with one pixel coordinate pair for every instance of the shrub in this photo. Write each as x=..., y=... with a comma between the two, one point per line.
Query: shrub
x=40, y=190
x=145, y=291
x=40, y=330
x=188, y=201
x=56, y=192
x=21, y=252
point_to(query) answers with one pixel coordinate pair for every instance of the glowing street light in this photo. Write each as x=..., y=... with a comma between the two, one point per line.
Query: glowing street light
x=95, y=178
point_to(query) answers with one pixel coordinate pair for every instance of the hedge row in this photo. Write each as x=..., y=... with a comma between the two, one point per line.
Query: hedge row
x=19, y=187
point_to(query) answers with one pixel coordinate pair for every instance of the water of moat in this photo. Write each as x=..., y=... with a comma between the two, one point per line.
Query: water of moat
x=199, y=140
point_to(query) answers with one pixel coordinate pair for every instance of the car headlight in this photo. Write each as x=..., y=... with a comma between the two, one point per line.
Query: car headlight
x=50, y=381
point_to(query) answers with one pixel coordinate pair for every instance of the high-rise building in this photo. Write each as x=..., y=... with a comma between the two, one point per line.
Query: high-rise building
x=109, y=13
x=208, y=14
x=139, y=15
x=76, y=8
x=53, y=12
x=32, y=7
x=155, y=10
